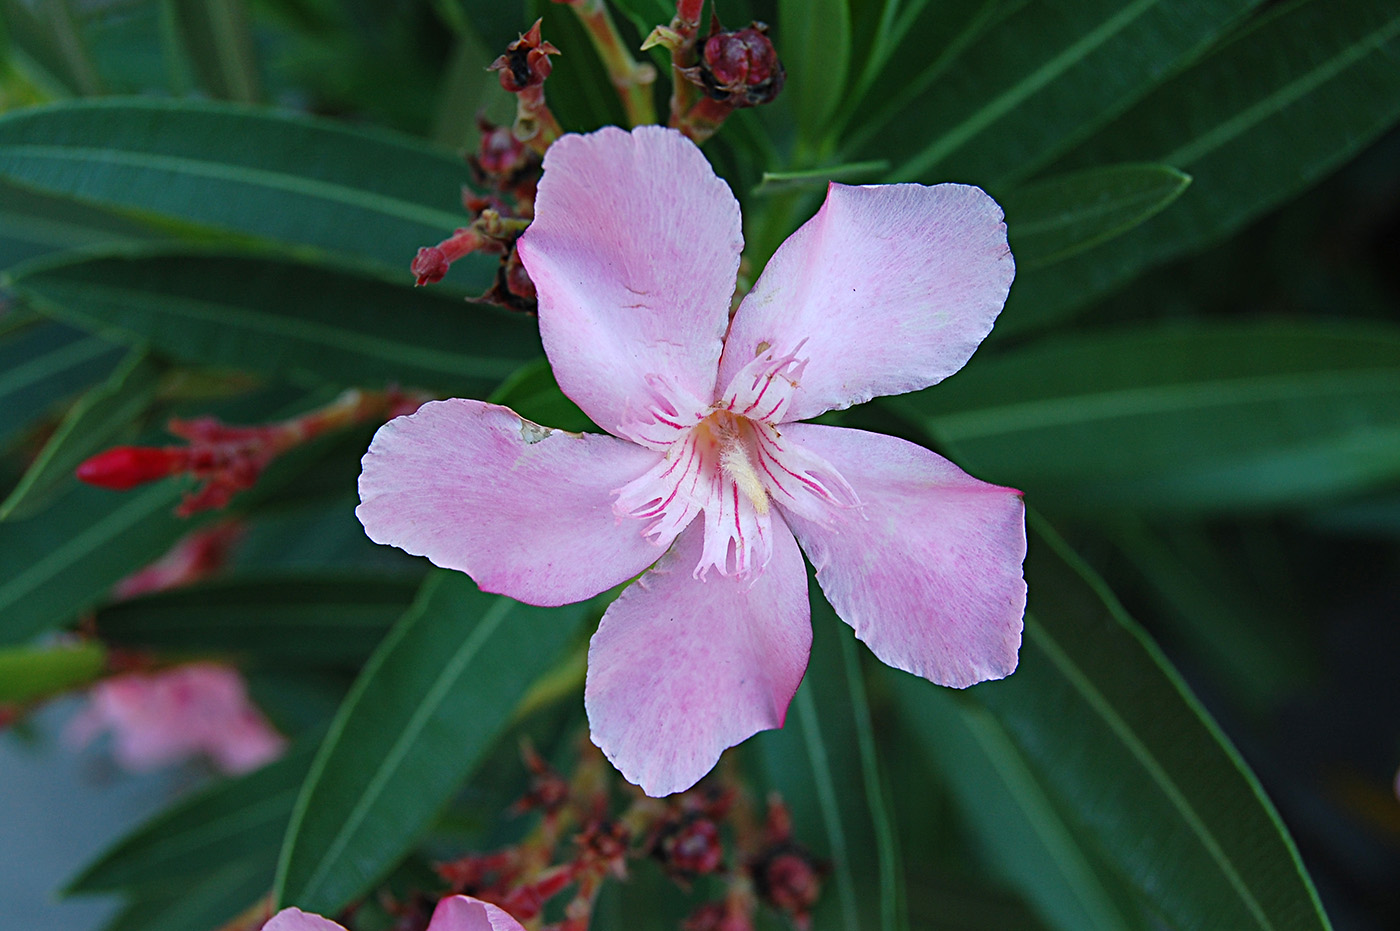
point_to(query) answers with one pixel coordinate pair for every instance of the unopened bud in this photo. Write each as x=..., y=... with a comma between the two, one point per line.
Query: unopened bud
x=788, y=880
x=429, y=266
x=692, y=848
x=124, y=467
x=741, y=68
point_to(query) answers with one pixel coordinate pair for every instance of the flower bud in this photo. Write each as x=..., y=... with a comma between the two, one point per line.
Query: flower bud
x=124, y=467
x=526, y=61
x=741, y=68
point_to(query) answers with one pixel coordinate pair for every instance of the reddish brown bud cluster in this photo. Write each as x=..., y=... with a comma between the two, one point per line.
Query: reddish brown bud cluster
x=740, y=68
x=526, y=61
x=226, y=459
x=785, y=875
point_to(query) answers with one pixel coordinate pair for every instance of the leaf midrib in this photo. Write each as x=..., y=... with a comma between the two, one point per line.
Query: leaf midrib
x=245, y=175
x=1157, y=399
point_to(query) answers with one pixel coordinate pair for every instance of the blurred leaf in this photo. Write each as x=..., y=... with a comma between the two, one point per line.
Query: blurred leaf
x=60, y=563
x=327, y=618
x=1118, y=742
x=1189, y=417
x=1056, y=218
x=90, y=424
x=819, y=178
x=210, y=902
x=369, y=195
x=533, y=393
x=47, y=34
x=1039, y=80
x=814, y=762
x=1027, y=839
x=814, y=41
x=279, y=318
x=239, y=819
x=33, y=224
x=43, y=364
x=428, y=706
x=219, y=46
x=1255, y=122
x=28, y=674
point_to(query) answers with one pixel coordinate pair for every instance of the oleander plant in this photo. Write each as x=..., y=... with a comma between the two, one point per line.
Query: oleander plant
x=712, y=465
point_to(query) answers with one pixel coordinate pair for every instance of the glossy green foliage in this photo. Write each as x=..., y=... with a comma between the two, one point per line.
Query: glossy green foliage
x=304, y=322
x=428, y=705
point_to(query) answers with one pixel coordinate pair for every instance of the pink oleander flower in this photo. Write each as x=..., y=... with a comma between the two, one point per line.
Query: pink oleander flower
x=708, y=481
x=161, y=718
x=454, y=913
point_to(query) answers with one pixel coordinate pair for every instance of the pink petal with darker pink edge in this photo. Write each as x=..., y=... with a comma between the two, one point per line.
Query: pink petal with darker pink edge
x=681, y=669
x=891, y=286
x=524, y=510
x=928, y=569
x=633, y=251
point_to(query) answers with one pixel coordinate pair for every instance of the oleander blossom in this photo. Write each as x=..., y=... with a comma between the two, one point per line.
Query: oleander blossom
x=454, y=913
x=165, y=717
x=707, y=482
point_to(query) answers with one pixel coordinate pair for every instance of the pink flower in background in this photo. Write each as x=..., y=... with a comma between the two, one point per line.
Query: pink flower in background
x=707, y=482
x=454, y=913
x=164, y=717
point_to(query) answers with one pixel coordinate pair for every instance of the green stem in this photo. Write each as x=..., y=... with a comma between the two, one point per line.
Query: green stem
x=632, y=79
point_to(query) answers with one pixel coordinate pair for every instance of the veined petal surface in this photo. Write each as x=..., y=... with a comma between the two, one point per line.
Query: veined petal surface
x=524, y=510
x=928, y=569
x=633, y=251
x=680, y=669
x=892, y=287
x=294, y=919
x=464, y=913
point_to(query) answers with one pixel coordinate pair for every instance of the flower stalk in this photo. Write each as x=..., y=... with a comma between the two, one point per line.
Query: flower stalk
x=523, y=69
x=632, y=79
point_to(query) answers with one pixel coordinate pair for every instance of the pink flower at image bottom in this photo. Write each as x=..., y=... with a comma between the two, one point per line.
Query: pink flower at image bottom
x=707, y=482
x=454, y=913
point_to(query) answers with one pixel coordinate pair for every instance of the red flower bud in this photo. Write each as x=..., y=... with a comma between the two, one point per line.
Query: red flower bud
x=526, y=61
x=124, y=467
x=429, y=266
x=741, y=68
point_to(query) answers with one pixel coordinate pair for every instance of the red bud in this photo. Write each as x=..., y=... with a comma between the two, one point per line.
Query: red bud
x=124, y=467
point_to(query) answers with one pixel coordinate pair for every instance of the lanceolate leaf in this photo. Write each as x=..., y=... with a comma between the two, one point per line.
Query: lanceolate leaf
x=1189, y=416
x=1042, y=78
x=428, y=705
x=63, y=561
x=1114, y=736
x=281, y=318
x=236, y=819
x=211, y=902
x=1053, y=219
x=370, y=196
x=90, y=424
x=1039, y=851
x=318, y=619
x=33, y=224
x=43, y=364
x=1253, y=123
x=816, y=51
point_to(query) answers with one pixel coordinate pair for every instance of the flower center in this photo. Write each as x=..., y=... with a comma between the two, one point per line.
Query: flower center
x=731, y=462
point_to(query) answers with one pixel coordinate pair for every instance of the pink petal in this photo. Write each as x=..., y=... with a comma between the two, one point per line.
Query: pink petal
x=294, y=919
x=524, y=510
x=680, y=669
x=928, y=569
x=633, y=251
x=464, y=913
x=892, y=286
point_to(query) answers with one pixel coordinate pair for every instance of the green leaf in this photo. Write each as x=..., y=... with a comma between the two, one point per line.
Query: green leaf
x=99, y=416
x=234, y=820
x=1025, y=838
x=211, y=902
x=321, y=619
x=44, y=364
x=1190, y=416
x=818, y=178
x=60, y=563
x=219, y=46
x=370, y=196
x=1040, y=79
x=280, y=318
x=533, y=393
x=33, y=224
x=814, y=40
x=1260, y=119
x=1118, y=741
x=427, y=707
x=51, y=41
x=27, y=674
x=1053, y=219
